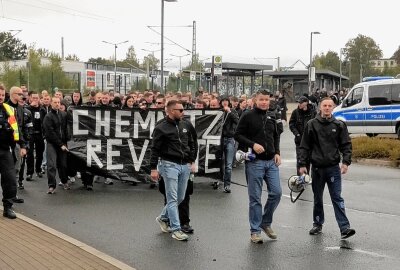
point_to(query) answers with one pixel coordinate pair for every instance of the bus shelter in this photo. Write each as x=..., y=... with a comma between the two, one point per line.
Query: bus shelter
x=236, y=79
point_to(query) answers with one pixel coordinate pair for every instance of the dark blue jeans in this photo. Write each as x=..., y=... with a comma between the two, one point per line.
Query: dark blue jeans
x=229, y=154
x=332, y=177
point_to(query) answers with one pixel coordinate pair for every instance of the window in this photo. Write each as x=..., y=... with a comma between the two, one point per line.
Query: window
x=378, y=63
x=396, y=93
x=392, y=63
x=355, y=97
x=379, y=95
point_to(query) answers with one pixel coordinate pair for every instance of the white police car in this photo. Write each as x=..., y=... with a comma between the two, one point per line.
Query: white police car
x=372, y=107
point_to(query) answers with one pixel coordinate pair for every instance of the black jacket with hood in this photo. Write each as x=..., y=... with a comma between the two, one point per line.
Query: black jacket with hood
x=324, y=141
x=55, y=127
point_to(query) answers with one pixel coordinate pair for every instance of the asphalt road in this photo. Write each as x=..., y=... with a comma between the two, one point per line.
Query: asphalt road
x=119, y=220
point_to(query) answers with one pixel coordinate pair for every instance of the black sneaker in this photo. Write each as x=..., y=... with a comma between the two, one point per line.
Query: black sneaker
x=347, y=233
x=186, y=228
x=29, y=177
x=18, y=200
x=89, y=188
x=39, y=174
x=227, y=189
x=9, y=213
x=316, y=230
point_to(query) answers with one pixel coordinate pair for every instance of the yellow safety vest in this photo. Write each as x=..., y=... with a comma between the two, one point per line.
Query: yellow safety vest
x=12, y=121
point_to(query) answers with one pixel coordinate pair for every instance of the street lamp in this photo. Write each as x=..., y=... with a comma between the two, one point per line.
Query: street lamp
x=340, y=69
x=180, y=67
x=162, y=42
x=309, y=67
x=115, y=60
x=152, y=51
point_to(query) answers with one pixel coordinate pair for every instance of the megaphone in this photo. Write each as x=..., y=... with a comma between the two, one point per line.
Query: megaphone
x=242, y=156
x=298, y=184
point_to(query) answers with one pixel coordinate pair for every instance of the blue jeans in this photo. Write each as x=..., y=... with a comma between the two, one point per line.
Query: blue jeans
x=332, y=177
x=176, y=177
x=258, y=171
x=229, y=153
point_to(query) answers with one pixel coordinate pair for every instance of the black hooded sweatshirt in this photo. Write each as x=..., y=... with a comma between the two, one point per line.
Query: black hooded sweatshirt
x=324, y=140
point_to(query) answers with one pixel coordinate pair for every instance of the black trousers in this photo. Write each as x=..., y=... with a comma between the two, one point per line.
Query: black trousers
x=7, y=172
x=22, y=169
x=56, y=161
x=183, y=208
x=36, y=150
x=87, y=179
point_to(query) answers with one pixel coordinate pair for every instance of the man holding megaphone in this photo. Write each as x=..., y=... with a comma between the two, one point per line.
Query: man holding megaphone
x=257, y=130
x=325, y=140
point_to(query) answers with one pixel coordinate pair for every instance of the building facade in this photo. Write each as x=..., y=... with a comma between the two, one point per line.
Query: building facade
x=98, y=77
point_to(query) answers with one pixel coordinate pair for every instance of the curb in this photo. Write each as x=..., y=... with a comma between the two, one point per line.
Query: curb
x=378, y=162
x=77, y=243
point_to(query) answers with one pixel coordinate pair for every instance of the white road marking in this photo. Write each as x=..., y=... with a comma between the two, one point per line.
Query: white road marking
x=370, y=253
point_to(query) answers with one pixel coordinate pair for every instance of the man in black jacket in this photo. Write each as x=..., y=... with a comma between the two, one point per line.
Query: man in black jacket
x=257, y=131
x=55, y=128
x=36, y=145
x=298, y=120
x=230, y=121
x=324, y=140
x=27, y=133
x=174, y=149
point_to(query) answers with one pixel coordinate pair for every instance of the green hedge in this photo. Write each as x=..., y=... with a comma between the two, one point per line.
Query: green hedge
x=379, y=148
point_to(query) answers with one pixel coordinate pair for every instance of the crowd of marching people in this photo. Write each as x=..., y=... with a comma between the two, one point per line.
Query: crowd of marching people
x=35, y=127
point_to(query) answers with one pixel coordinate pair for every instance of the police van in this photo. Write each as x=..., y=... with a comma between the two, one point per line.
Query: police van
x=372, y=107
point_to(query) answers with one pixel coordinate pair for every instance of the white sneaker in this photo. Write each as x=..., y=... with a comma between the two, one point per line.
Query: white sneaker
x=72, y=179
x=78, y=174
x=163, y=224
x=109, y=181
x=180, y=236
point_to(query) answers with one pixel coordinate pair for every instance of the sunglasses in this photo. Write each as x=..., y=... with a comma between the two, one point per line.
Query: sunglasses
x=180, y=110
x=160, y=102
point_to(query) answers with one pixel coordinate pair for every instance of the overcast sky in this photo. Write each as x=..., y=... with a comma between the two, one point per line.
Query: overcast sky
x=238, y=30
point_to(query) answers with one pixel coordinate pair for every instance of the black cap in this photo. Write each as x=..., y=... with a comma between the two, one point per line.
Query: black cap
x=303, y=99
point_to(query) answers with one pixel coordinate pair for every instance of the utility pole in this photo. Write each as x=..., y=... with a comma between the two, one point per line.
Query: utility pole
x=115, y=60
x=180, y=67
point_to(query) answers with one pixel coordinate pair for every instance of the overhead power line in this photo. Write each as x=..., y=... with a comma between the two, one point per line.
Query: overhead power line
x=150, y=27
x=55, y=10
x=82, y=12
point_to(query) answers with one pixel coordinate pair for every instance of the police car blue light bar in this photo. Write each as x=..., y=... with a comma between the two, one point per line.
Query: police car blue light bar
x=377, y=78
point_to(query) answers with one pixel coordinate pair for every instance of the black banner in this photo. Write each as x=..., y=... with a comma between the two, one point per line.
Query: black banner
x=116, y=143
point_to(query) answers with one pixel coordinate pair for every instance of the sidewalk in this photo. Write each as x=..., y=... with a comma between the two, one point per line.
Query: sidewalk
x=27, y=244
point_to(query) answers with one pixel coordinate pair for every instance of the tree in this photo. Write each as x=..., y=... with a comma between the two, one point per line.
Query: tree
x=101, y=61
x=359, y=51
x=45, y=53
x=72, y=57
x=41, y=76
x=153, y=62
x=329, y=61
x=396, y=55
x=131, y=57
x=195, y=65
x=11, y=48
